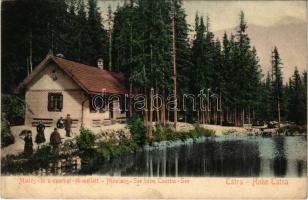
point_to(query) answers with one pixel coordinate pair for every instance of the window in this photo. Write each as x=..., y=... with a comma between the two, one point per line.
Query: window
x=122, y=104
x=55, y=102
x=97, y=103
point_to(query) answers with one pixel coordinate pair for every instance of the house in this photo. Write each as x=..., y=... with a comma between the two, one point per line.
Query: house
x=58, y=87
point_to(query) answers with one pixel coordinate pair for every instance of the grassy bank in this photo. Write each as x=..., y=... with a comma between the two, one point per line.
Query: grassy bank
x=168, y=134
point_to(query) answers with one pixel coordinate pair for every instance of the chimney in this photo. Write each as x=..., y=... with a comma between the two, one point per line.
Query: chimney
x=100, y=63
x=60, y=55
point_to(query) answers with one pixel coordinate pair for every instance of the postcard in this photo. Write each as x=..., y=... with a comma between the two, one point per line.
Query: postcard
x=186, y=99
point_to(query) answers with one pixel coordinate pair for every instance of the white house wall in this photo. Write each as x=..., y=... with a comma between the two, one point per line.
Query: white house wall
x=37, y=95
x=73, y=99
x=44, y=81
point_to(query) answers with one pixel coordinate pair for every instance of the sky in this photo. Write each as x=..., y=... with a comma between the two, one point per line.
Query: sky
x=276, y=18
x=224, y=14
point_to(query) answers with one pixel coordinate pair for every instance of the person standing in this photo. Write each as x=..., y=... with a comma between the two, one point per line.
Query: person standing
x=28, y=148
x=55, y=140
x=40, y=136
x=68, y=125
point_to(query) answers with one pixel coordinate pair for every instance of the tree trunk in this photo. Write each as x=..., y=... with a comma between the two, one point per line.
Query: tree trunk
x=243, y=116
x=175, y=116
x=157, y=108
x=168, y=115
x=278, y=107
x=146, y=122
x=151, y=114
x=249, y=120
x=221, y=117
x=164, y=110
x=227, y=115
x=198, y=116
x=203, y=117
x=235, y=117
x=216, y=117
x=30, y=53
x=130, y=99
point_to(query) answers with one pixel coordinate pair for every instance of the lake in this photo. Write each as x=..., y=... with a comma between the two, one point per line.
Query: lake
x=236, y=156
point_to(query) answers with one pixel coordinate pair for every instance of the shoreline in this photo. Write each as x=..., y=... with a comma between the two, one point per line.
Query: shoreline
x=199, y=134
x=17, y=147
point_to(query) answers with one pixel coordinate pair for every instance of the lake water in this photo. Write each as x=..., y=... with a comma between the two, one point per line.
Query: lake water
x=279, y=156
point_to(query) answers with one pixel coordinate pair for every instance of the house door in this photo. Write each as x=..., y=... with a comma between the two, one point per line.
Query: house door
x=111, y=110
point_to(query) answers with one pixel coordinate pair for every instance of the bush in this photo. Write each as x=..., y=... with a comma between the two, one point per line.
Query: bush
x=183, y=135
x=43, y=156
x=7, y=137
x=229, y=132
x=14, y=109
x=86, y=140
x=138, y=130
x=112, y=148
x=168, y=134
x=199, y=132
x=158, y=135
x=19, y=164
x=14, y=164
x=162, y=134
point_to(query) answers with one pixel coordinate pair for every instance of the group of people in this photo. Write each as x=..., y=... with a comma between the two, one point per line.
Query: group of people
x=55, y=137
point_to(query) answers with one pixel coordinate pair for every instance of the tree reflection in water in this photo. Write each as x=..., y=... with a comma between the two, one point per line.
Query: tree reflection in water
x=217, y=157
x=280, y=161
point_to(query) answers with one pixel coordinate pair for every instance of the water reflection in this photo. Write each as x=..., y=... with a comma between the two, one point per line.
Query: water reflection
x=232, y=156
x=280, y=160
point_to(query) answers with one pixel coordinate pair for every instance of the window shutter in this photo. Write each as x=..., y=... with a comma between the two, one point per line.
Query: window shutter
x=49, y=102
x=60, y=101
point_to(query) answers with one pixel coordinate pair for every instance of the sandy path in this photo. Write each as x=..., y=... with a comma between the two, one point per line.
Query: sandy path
x=219, y=130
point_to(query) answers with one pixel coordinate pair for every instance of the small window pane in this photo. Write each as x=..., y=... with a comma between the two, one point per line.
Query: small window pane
x=55, y=102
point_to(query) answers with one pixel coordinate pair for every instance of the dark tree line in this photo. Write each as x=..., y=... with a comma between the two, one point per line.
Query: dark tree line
x=279, y=101
x=230, y=70
x=30, y=28
x=138, y=42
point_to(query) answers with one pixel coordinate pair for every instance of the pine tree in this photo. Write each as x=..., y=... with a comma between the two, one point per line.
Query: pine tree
x=304, y=78
x=241, y=73
x=97, y=34
x=110, y=19
x=242, y=62
x=277, y=85
x=198, y=53
x=30, y=28
x=264, y=109
x=83, y=38
x=183, y=56
x=296, y=104
x=141, y=47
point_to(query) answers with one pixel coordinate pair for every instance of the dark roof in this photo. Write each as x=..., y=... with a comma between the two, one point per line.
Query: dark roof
x=93, y=79
x=89, y=78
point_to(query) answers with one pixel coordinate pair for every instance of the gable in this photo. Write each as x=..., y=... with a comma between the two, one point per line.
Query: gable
x=45, y=81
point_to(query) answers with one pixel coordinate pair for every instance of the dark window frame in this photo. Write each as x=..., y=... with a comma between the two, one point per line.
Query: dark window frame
x=55, y=102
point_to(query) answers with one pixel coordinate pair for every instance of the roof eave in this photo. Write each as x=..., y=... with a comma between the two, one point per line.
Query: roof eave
x=37, y=70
